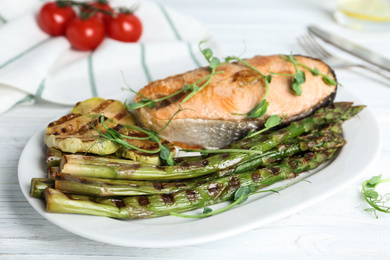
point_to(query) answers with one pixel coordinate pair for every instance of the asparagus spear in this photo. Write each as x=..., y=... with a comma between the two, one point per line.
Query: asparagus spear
x=317, y=140
x=214, y=192
x=107, y=187
x=52, y=171
x=102, y=167
x=322, y=139
x=191, y=169
x=334, y=127
x=38, y=186
x=334, y=113
x=53, y=157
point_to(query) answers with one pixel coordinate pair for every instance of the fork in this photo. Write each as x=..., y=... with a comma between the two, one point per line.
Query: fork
x=313, y=48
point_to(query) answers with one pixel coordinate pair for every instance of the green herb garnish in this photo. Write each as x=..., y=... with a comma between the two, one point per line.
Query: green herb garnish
x=328, y=80
x=165, y=155
x=207, y=210
x=377, y=202
x=271, y=122
x=299, y=76
x=108, y=133
x=214, y=62
x=260, y=109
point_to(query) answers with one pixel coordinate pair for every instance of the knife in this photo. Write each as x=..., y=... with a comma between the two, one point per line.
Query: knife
x=352, y=48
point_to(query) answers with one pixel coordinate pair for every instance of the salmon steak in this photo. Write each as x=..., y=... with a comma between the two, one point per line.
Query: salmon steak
x=215, y=116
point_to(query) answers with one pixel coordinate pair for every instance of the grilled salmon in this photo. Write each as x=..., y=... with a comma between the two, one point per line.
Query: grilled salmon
x=210, y=118
x=76, y=131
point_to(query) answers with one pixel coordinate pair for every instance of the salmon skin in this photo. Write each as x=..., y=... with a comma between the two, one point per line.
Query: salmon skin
x=210, y=119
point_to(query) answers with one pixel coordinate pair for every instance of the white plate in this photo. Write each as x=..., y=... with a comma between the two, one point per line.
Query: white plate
x=364, y=140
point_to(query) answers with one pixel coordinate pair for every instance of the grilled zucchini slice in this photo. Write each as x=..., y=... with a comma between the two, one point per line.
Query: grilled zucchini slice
x=75, y=132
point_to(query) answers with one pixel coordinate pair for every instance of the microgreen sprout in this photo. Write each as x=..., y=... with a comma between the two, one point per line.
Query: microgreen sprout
x=165, y=155
x=260, y=109
x=377, y=202
x=214, y=63
x=328, y=80
x=299, y=78
x=110, y=134
x=271, y=122
x=147, y=102
x=207, y=210
x=193, y=88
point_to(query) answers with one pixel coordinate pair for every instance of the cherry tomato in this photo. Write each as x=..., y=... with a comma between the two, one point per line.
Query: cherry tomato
x=103, y=5
x=53, y=19
x=85, y=34
x=124, y=27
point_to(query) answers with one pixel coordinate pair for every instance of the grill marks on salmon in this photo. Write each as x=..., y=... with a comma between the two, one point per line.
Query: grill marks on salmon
x=209, y=118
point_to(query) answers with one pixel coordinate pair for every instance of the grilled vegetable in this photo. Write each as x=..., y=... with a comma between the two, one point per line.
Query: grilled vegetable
x=53, y=157
x=107, y=187
x=74, y=132
x=38, y=186
x=315, y=141
x=79, y=132
x=87, y=184
x=216, y=191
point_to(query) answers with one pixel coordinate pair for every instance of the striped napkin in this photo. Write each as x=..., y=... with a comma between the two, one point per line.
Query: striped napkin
x=32, y=64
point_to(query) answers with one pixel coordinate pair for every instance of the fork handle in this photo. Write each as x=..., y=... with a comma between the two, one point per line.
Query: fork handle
x=372, y=70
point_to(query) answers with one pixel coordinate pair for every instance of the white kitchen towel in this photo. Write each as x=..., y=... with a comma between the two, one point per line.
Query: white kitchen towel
x=34, y=64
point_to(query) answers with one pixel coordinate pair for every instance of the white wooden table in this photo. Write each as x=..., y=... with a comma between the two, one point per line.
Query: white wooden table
x=336, y=228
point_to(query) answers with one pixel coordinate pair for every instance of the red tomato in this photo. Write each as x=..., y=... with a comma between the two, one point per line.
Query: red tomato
x=103, y=5
x=124, y=27
x=86, y=34
x=53, y=19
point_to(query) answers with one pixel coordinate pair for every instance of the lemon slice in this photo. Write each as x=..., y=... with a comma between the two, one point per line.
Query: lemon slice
x=371, y=10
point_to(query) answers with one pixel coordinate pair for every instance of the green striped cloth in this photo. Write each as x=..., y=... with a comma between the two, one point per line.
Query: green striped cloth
x=35, y=64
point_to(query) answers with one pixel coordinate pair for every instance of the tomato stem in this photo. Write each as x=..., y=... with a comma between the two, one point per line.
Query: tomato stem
x=63, y=3
x=128, y=10
x=88, y=10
